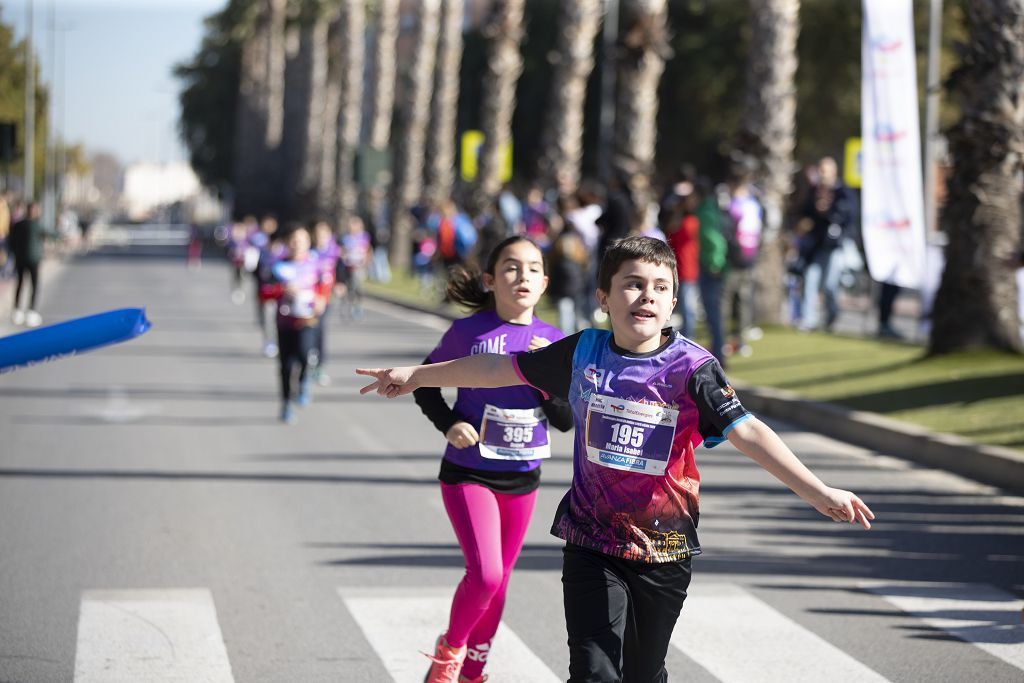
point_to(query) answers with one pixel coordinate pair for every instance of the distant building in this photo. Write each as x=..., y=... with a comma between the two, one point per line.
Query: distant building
x=149, y=186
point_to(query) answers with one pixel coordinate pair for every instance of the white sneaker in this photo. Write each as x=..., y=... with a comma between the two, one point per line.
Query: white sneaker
x=33, y=319
x=238, y=297
x=18, y=316
x=270, y=350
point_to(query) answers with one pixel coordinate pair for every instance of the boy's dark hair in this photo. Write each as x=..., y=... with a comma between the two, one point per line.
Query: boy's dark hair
x=636, y=248
x=465, y=285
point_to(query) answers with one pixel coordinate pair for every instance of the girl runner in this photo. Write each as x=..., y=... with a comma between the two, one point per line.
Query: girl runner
x=301, y=290
x=496, y=439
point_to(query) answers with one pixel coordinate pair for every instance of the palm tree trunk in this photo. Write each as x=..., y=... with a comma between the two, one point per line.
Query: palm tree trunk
x=305, y=80
x=643, y=47
x=385, y=69
x=407, y=188
x=327, y=200
x=504, y=32
x=440, y=172
x=382, y=104
x=768, y=135
x=563, y=132
x=353, y=23
x=976, y=305
x=258, y=127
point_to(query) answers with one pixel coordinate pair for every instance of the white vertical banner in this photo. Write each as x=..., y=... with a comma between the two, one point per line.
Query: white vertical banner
x=892, y=202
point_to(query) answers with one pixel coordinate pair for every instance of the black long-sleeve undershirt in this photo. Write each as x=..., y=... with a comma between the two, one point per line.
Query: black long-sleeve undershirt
x=441, y=415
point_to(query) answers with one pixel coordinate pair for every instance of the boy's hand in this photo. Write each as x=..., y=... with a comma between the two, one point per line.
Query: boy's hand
x=844, y=506
x=389, y=382
x=462, y=435
x=538, y=342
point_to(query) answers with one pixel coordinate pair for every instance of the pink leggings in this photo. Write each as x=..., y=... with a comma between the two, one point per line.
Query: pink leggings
x=491, y=528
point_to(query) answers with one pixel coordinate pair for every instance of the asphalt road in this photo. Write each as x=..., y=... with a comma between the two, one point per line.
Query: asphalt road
x=157, y=523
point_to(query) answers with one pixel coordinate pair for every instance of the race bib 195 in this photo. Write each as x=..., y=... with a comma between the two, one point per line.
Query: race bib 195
x=630, y=436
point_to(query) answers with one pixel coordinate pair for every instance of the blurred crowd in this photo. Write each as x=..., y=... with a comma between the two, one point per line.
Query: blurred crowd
x=715, y=229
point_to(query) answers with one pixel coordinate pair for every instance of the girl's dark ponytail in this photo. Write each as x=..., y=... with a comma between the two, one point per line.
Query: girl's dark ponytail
x=466, y=289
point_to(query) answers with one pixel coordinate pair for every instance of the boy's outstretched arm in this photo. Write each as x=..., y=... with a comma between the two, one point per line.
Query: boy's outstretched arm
x=760, y=443
x=486, y=370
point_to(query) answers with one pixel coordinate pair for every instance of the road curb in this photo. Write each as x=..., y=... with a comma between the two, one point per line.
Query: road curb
x=994, y=465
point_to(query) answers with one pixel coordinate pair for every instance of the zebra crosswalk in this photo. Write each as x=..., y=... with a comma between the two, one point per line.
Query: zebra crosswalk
x=173, y=635
x=165, y=635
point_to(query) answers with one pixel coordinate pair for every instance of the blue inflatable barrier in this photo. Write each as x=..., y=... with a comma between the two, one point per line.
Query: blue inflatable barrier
x=71, y=338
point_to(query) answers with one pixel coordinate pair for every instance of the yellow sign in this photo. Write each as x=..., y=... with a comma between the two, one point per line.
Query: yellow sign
x=472, y=141
x=852, y=163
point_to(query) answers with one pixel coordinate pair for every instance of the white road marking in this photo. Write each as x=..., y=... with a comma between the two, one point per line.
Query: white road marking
x=979, y=614
x=738, y=638
x=402, y=623
x=158, y=636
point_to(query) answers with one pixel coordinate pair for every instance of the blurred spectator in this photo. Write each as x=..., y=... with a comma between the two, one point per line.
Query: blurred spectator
x=743, y=238
x=828, y=218
x=511, y=210
x=568, y=260
x=684, y=228
x=886, y=298
x=713, y=265
x=617, y=219
x=584, y=219
x=26, y=245
x=537, y=218
x=5, y=230
x=355, y=255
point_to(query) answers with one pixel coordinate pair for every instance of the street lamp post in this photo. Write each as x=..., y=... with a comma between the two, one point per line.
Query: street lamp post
x=30, y=109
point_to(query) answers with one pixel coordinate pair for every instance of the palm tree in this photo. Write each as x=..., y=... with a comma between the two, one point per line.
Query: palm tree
x=643, y=48
x=440, y=171
x=260, y=109
x=407, y=188
x=305, y=84
x=327, y=200
x=377, y=134
x=385, y=68
x=503, y=31
x=353, y=24
x=976, y=305
x=563, y=132
x=767, y=135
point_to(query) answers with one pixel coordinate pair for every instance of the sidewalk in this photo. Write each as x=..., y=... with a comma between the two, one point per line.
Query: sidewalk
x=993, y=465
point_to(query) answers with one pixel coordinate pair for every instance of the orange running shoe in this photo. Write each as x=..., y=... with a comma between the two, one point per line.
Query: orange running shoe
x=445, y=663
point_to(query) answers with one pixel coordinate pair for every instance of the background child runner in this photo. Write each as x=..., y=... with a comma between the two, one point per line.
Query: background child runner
x=328, y=254
x=301, y=290
x=496, y=441
x=642, y=398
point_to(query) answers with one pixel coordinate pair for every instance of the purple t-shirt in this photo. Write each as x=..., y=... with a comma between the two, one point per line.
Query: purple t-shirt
x=486, y=332
x=638, y=418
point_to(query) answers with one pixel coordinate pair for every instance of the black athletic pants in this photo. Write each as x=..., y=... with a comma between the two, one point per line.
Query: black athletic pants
x=32, y=270
x=620, y=615
x=293, y=347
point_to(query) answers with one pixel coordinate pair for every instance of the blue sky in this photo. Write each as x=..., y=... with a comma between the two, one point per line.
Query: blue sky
x=120, y=94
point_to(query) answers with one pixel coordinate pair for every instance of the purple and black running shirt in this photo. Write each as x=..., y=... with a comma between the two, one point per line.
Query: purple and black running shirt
x=638, y=418
x=486, y=332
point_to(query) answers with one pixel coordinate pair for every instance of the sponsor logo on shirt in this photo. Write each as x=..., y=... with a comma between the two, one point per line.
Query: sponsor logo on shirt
x=594, y=375
x=728, y=406
x=623, y=460
x=728, y=391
